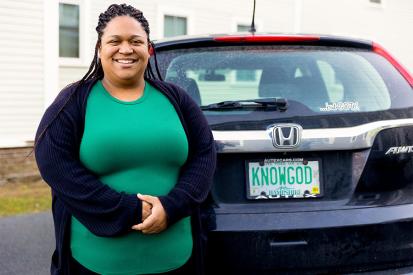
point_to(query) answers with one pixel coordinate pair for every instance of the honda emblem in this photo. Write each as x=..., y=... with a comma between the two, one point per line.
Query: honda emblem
x=286, y=136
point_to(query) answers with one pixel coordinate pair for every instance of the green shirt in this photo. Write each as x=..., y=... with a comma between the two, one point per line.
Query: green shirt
x=135, y=147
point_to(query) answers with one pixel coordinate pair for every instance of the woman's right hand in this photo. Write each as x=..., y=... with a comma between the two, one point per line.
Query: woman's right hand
x=157, y=221
x=146, y=210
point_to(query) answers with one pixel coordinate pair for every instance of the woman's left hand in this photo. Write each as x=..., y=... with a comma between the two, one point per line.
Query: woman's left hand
x=156, y=222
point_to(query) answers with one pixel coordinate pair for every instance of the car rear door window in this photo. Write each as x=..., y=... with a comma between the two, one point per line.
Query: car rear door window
x=323, y=79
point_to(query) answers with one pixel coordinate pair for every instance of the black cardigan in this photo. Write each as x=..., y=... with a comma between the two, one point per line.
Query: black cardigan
x=105, y=212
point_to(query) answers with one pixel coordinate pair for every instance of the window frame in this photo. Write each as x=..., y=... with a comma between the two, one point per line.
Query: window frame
x=175, y=16
x=169, y=10
x=76, y=61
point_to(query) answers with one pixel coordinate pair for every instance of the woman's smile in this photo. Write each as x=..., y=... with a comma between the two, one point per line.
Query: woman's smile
x=125, y=61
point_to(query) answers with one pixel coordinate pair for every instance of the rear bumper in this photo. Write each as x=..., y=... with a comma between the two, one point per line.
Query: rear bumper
x=407, y=270
x=350, y=240
x=235, y=220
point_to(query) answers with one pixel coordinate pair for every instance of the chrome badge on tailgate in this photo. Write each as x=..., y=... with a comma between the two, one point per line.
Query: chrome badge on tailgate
x=286, y=136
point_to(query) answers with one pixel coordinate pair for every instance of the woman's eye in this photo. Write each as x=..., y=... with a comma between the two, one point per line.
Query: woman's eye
x=136, y=42
x=113, y=41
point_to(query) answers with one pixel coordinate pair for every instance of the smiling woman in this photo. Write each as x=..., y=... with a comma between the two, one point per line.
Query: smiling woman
x=124, y=53
x=129, y=158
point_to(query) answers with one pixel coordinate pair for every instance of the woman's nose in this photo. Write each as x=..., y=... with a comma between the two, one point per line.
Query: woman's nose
x=125, y=48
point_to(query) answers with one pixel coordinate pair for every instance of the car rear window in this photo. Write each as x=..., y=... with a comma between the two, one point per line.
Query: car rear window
x=323, y=79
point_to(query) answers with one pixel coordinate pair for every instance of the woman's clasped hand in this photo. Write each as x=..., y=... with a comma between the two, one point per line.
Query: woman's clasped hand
x=154, y=219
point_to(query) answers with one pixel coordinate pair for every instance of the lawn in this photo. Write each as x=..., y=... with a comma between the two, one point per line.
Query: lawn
x=27, y=197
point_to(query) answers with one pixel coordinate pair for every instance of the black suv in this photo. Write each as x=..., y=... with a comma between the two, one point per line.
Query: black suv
x=315, y=143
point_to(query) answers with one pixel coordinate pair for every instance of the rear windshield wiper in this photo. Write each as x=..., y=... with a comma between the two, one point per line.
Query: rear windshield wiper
x=279, y=103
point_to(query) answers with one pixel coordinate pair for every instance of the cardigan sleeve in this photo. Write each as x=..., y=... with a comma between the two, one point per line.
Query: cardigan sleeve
x=101, y=209
x=196, y=175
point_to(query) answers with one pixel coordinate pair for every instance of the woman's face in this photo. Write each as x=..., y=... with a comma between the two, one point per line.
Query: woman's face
x=124, y=51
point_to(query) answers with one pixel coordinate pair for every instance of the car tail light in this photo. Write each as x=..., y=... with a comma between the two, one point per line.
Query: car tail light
x=266, y=38
x=377, y=48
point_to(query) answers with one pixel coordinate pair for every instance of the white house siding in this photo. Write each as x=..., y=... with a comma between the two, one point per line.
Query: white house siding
x=69, y=74
x=388, y=24
x=21, y=70
x=398, y=20
x=278, y=16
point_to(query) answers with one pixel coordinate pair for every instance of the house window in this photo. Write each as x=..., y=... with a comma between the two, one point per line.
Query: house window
x=69, y=30
x=243, y=28
x=174, y=25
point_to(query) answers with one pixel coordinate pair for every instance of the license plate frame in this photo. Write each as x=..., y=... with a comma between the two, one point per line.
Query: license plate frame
x=285, y=190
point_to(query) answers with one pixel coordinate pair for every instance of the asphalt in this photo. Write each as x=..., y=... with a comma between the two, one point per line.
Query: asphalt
x=26, y=244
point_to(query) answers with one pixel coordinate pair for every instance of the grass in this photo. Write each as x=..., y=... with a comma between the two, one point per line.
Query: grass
x=22, y=198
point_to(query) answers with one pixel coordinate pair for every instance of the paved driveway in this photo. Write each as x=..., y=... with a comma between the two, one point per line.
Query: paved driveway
x=26, y=244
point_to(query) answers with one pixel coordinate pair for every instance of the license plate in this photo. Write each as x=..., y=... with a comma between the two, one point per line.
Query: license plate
x=283, y=178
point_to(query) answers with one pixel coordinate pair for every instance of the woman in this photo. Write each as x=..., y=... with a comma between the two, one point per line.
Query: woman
x=129, y=159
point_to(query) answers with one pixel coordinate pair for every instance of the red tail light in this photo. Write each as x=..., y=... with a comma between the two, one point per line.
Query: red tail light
x=266, y=38
x=377, y=48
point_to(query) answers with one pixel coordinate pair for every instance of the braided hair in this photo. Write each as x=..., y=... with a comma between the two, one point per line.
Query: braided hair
x=95, y=70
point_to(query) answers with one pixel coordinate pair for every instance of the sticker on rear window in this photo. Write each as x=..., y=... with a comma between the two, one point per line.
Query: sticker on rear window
x=340, y=106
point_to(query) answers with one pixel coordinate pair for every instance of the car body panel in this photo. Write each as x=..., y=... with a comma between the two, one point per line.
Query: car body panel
x=363, y=218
